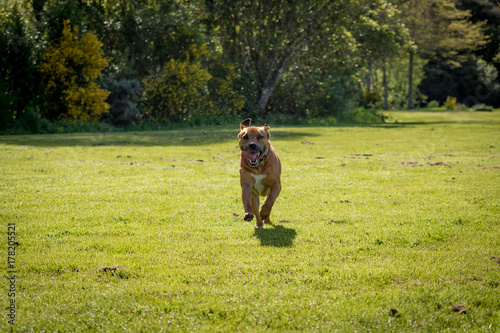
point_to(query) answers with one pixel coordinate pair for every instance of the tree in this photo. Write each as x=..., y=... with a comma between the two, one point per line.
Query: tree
x=439, y=30
x=474, y=82
x=381, y=35
x=266, y=37
x=20, y=82
x=310, y=91
x=191, y=87
x=485, y=11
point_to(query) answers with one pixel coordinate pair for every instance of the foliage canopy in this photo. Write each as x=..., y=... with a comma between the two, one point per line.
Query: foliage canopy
x=279, y=58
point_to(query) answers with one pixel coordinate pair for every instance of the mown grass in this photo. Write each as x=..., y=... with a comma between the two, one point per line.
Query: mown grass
x=377, y=228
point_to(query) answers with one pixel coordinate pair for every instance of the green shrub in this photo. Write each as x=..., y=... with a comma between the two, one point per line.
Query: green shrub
x=123, y=100
x=433, y=104
x=32, y=122
x=222, y=92
x=361, y=115
x=370, y=99
x=461, y=107
x=482, y=107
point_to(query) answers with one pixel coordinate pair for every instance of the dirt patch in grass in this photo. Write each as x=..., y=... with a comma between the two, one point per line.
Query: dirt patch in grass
x=393, y=312
x=358, y=155
x=113, y=268
x=459, y=309
x=416, y=163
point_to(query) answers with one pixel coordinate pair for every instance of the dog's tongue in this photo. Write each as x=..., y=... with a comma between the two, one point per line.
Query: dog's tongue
x=250, y=156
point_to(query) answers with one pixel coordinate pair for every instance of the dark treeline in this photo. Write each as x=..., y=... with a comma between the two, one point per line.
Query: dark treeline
x=124, y=62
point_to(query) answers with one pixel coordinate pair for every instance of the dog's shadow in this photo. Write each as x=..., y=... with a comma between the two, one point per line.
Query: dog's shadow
x=277, y=236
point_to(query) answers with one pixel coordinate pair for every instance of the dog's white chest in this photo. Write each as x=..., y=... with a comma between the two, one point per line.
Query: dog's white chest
x=258, y=183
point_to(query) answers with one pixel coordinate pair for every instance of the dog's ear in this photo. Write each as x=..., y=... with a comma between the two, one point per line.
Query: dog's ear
x=245, y=123
x=267, y=127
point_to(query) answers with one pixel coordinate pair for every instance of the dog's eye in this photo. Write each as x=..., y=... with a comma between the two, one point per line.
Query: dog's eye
x=260, y=137
x=245, y=137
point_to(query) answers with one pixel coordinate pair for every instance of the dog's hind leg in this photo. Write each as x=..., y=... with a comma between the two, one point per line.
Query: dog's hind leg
x=265, y=212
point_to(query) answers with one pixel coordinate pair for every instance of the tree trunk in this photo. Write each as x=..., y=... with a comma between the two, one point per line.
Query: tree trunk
x=265, y=90
x=369, y=77
x=386, y=92
x=38, y=8
x=411, y=104
x=263, y=96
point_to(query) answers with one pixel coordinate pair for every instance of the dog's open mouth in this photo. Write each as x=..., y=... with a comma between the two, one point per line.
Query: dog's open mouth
x=251, y=157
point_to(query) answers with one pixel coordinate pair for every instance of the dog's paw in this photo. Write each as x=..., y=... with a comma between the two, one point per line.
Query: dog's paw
x=265, y=217
x=248, y=217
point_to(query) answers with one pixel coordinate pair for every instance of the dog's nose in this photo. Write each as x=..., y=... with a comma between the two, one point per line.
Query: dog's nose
x=252, y=145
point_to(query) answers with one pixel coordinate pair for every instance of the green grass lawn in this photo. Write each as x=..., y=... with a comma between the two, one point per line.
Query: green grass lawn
x=388, y=227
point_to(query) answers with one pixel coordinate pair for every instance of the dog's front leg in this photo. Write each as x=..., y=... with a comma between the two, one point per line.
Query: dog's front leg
x=255, y=206
x=265, y=212
x=246, y=196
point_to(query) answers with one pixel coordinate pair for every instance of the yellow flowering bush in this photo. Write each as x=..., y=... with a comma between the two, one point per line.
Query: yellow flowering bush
x=450, y=103
x=193, y=85
x=85, y=103
x=186, y=89
x=71, y=67
x=222, y=91
x=177, y=93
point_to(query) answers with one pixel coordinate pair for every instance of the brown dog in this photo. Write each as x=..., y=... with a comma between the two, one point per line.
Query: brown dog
x=260, y=171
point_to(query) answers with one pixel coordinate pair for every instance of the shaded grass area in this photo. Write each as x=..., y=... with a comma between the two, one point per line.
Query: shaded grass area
x=386, y=227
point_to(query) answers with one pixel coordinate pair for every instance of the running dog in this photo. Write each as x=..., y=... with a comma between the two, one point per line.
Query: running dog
x=260, y=172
